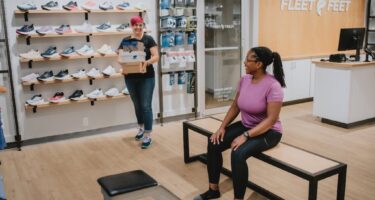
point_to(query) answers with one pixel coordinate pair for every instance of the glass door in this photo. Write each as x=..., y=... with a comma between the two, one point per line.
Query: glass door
x=222, y=51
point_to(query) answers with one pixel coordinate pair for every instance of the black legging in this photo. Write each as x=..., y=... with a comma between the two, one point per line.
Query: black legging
x=238, y=158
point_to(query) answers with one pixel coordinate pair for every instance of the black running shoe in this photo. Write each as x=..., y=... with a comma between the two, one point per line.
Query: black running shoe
x=25, y=30
x=46, y=76
x=63, y=74
x=210, y=194
x=50, y=52
x=77, y=95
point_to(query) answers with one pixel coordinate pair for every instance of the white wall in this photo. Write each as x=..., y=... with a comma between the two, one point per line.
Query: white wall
x=70, y=118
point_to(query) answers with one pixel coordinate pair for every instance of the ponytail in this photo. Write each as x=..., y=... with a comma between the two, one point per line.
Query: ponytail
x=278, y=71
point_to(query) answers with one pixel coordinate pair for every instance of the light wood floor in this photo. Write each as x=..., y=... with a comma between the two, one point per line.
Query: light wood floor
x=69, y=169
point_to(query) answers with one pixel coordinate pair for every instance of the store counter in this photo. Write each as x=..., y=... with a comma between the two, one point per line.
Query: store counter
x=344, y=93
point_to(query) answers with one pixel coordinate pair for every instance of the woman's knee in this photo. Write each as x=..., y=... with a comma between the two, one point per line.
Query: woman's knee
x=238, y=156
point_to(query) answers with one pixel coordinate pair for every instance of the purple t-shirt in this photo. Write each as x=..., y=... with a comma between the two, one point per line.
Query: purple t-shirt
x=253, y=98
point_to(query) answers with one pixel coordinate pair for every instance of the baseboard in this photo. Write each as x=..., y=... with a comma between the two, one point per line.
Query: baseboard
x=347, y=125
x=293, y=102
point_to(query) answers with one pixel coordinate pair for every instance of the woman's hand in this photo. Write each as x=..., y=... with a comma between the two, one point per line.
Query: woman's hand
x=238, y=142
x=218, y=137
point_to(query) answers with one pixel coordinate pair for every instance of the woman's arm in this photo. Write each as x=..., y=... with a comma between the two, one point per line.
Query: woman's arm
x=3, y=89
x=273, y=111
x=232, y=113
x=154, y=55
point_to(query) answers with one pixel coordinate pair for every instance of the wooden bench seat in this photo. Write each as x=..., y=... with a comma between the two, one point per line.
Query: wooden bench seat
x=307, y=165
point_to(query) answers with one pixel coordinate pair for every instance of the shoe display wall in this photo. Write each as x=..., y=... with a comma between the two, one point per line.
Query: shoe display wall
x=62, y=61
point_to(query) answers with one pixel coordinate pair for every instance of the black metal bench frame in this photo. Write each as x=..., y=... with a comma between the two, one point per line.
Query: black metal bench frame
x=313, y=178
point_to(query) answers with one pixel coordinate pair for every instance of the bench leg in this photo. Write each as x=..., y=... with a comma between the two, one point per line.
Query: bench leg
x=186, y=143
x=313, y=189
x=341, y=184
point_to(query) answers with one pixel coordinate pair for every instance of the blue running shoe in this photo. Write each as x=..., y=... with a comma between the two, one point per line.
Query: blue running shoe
x=50, y=52
x=146, y=143
x=123, y=5
x=25, y=29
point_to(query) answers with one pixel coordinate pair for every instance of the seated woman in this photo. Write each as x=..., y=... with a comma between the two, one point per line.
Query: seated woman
x=259, y=99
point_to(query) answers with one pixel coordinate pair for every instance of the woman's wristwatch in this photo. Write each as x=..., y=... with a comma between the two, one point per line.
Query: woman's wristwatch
x=246, y=133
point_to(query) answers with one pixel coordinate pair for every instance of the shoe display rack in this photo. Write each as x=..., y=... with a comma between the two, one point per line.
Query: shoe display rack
x=177, y=39
x=68, y=102
x=78, y=11
x=70, y=79
x=72, y=57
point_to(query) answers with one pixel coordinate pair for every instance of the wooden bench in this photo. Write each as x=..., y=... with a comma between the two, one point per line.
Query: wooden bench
x=304, y=164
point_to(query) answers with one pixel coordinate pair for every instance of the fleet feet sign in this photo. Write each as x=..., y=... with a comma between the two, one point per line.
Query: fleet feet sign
x=318, y=5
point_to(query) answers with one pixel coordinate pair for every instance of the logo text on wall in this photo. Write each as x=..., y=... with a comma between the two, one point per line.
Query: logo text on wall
x=319, y=5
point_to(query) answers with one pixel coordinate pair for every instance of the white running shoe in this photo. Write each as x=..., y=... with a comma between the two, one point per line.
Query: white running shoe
x=84, y=28
x=95, y=94
x=125, y=91
x=86, y=50
x=32, y=54
x=35, y=100
x=94, y=73
x=80, y=74
x=30, y=77
x=112, y=92
x=105, y=49
x=109, y=71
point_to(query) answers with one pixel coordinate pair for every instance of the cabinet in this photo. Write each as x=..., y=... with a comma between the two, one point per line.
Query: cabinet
x=177, y=68
x=297, y=79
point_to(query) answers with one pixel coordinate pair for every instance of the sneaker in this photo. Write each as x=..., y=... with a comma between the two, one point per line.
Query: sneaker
x=146, y=142
x=80, y=74
x=112, y=92
x=64, y=29
x=30, y=77
x=46, y=76
x=86, y=50
x=27, y=6
x=109, y=71
x=77, y=95
x=125, y=91
x=68, y=52
x=123, y=5
x=72, y=5
x=106, y=6
x=57, y=98
x=25, y=29
x=104, y=27
x=35, y=100
x=84, y=28
x=45, y=30
x=123, y=27
x=210, y=194
x=32, y=54
x=140, y=134
x=50, y=52
x=94, y=73
x=52, y=5
x=62, y=75
x=89, y=5
x=95, y=94
x=105, y=49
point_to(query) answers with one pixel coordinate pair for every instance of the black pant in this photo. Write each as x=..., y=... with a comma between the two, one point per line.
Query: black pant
x=251, y=147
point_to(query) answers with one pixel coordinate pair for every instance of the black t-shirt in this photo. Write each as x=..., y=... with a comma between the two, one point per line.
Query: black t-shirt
x=148, y=43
